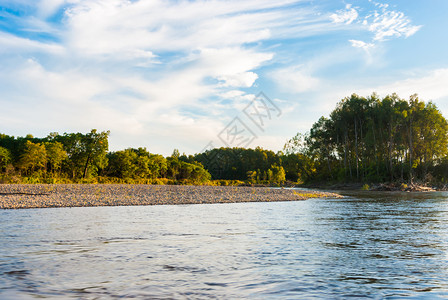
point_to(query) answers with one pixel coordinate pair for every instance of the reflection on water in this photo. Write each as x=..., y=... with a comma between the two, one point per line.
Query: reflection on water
x=367, y=244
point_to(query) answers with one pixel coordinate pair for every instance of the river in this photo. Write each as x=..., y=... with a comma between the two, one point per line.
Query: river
x=368, y=244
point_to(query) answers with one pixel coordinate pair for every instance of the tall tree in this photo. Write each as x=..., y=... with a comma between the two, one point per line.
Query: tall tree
x=34, y=157
x=55, y=155
x=5, y=158
x=86, y=152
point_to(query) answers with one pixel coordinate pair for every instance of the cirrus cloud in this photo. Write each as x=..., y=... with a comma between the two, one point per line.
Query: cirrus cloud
x=381, y=22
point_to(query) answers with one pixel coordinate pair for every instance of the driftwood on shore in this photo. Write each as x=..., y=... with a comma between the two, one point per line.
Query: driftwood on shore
x=75, y=195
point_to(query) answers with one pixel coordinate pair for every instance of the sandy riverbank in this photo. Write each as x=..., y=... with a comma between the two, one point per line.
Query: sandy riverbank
x=74, y=195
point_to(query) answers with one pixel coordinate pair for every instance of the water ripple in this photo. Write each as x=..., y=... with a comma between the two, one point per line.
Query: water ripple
x=368, y=245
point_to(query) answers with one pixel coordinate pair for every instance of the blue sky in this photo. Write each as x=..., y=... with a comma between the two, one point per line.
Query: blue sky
x=176, y=74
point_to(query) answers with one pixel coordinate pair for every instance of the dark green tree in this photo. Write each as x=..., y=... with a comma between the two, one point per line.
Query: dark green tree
x=5, y=158
x=33, y=158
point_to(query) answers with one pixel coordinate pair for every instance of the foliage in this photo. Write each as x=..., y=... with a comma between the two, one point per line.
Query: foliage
x=5, y=158
x=368, y=139
x=235, y=163
x=34, y=157
x=55, y=155
x=86, y=152
x=138, y=164
x=296, y=144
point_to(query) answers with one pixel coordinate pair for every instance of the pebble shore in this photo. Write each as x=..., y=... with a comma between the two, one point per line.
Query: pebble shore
x=14, y=196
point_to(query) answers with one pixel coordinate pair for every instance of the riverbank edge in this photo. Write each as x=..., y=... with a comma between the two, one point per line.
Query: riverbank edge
x=21, y=196
x=378, y=187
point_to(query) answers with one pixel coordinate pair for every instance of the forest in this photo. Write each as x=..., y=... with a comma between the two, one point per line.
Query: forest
x=363, y=140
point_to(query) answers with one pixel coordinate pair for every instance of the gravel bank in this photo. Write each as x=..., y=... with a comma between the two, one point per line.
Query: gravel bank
x=74, y=195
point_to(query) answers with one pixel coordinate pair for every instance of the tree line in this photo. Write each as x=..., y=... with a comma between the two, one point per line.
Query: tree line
x=77, y=157
x=84, y=158
x=364, y=139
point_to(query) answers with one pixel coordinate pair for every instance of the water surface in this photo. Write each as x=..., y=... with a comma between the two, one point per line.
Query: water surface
x=375, y=245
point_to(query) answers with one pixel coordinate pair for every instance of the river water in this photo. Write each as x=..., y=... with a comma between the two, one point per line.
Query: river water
x=375, y=245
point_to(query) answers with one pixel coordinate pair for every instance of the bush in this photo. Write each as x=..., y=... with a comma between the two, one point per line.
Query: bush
x=365, y=187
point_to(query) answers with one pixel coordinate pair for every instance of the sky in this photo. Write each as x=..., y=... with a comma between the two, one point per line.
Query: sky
x=193, y=75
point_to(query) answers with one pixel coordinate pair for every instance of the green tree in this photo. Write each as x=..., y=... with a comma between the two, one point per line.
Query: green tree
x=158, y=166
x=55, y=155
x=194, y=172
x=5, y=158
x=136, y=164
x=87, y=153
x=175, y=154
x=96, y=146
x=276, y=174
x=123, y=164
x=34, y=157
x=297, y=144
x=252, y=177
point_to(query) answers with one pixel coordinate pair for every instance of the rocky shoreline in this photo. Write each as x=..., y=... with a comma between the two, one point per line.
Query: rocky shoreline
x=14, y=196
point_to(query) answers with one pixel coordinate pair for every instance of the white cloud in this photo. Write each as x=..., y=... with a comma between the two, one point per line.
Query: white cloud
x=429, y=86
x=294, y=79
x=232, y=65
x=104, y=27
x=245, y=79
x=388, y=24
x=384, y=24
x=367, y=47
x=11, y=43
x=347, y=15
x=361, y=44
x=49, y=7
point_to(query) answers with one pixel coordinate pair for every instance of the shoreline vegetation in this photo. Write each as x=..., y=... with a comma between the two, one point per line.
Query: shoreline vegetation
x=18, y=196
x=366, y=143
